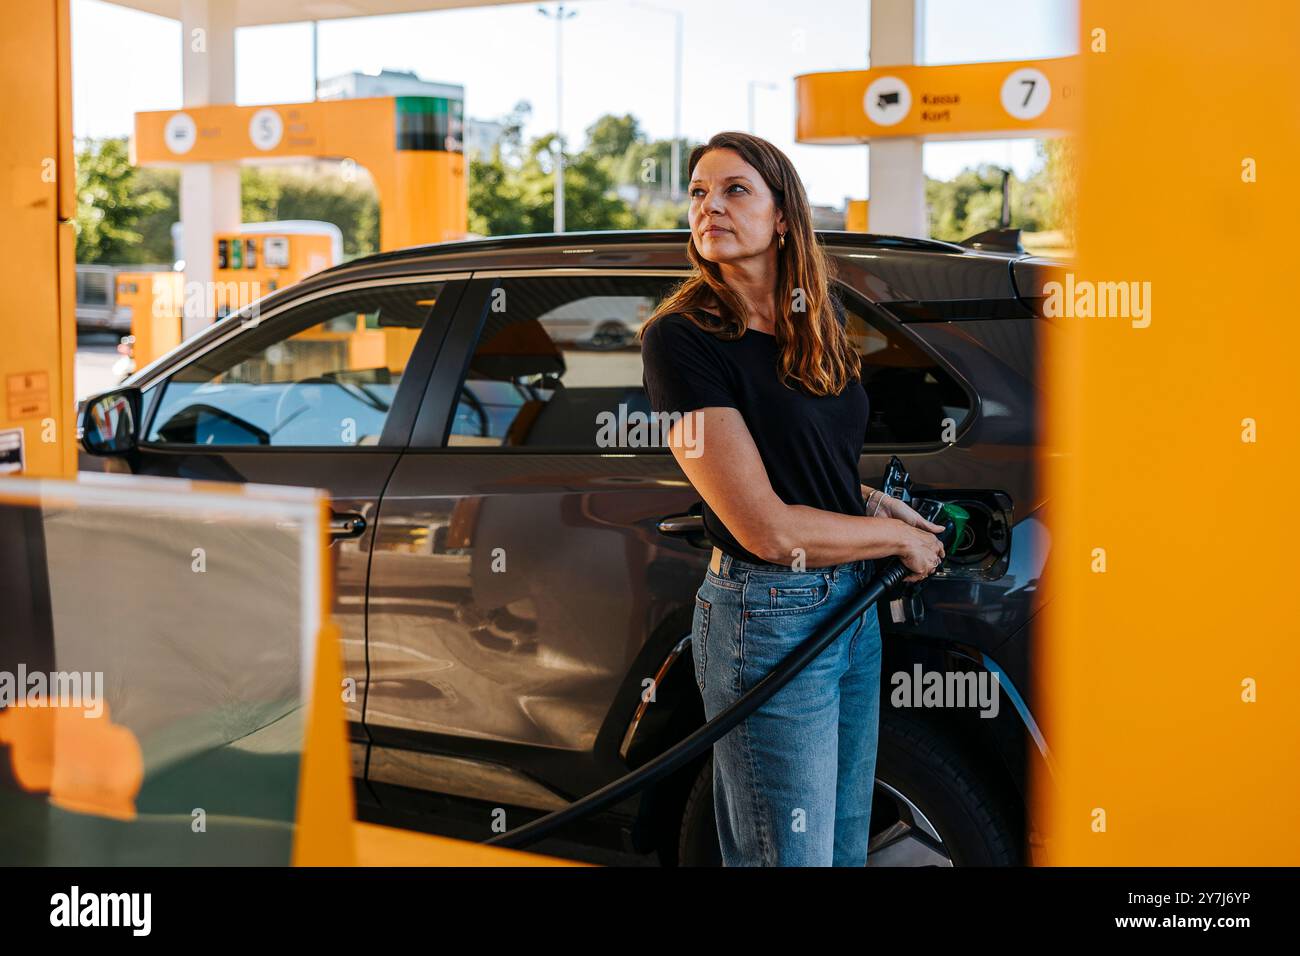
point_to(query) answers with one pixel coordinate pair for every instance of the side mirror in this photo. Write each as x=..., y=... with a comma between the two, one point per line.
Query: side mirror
x=109, y=422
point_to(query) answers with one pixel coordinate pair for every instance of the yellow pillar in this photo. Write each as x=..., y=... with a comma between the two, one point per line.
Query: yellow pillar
x=37, y=243
x=1167, y=661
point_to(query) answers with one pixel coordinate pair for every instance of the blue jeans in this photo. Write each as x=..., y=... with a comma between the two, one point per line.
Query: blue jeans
x=792, y=784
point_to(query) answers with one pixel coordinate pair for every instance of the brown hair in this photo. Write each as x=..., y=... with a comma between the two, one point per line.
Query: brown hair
x=815, y=349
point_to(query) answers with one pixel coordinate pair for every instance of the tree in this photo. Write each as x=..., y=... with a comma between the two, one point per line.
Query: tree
x=156, y=227
x=269, y=194
x=1060, y=176
x=972, y=201
x=110, y=204
x=512, y=134
x=505, y=201
x=613, y=137
x=619, y=180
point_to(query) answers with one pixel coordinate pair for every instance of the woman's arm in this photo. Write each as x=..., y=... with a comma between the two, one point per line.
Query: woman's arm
x=729, y=474
x=891, y=507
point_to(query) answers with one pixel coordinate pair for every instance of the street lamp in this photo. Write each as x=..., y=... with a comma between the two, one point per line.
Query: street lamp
x=560, y=16
x=675, y=186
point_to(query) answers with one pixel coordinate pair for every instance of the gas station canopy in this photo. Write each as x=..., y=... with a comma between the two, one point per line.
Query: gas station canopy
x=251, y=13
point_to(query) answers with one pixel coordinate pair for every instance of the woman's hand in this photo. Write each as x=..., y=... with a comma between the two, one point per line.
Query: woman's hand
x=921, y=553
x=895, y=508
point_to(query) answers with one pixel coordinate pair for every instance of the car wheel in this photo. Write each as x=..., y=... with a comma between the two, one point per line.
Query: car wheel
x=698, y=842
x=931, y=806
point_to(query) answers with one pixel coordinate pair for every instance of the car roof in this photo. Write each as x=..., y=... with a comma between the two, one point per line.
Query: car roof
x=540, y=241
x=885, y=268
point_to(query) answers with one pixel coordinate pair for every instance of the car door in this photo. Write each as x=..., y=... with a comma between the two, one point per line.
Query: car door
x=972, y=448
x=319, y=392
x=522, y=590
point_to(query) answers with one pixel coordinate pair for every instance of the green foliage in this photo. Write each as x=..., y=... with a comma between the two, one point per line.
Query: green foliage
x=619, y=180
x=1061, y=171
x=513, y=191
x=972, y=202
x=505, y=200
x=156, y=227
x=112, y=201
x=125, y=214
x=613, y=137
x=267, y=195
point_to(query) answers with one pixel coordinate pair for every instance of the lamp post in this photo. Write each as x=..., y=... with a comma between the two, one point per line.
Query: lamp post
x=560, y=16
x=675, y=174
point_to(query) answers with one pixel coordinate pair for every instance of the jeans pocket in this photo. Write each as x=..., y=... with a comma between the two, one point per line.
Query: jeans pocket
x=699, y=638
x=782, y=594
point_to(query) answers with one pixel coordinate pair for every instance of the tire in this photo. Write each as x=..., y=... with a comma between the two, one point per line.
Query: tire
x=929, y=785
x=698, y=841
x=932, y=806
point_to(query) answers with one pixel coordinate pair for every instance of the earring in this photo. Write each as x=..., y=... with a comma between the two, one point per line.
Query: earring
x=780, y=241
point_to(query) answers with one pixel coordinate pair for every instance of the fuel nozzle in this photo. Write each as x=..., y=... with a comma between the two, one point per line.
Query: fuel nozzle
x=905, y=600
x=898, y=484
x=953, y=517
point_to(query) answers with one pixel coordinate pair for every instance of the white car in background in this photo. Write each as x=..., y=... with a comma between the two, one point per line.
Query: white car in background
x=597, y=321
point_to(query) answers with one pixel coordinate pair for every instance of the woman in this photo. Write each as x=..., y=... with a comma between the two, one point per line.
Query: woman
x=752, y=351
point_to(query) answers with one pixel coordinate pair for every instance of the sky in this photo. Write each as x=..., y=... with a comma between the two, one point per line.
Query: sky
x=617, y=58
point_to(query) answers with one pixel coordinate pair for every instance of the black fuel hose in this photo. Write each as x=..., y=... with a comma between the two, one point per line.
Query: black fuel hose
x=691, y=747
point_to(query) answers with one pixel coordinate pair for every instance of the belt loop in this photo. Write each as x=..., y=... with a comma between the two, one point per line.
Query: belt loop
x=724, y=565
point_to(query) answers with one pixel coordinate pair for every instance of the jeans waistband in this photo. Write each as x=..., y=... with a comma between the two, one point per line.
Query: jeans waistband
x=728, y=563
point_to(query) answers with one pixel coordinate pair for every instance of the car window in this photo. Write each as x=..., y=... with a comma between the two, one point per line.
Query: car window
x=322, y=374
x=914, y=400
x=562, y=350
x=556, y=352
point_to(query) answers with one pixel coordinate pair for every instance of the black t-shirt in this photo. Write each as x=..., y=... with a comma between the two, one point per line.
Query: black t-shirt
x=809, y=445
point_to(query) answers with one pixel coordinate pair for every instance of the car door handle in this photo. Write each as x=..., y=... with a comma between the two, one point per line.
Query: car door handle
x=678, y=525
x=346, y=525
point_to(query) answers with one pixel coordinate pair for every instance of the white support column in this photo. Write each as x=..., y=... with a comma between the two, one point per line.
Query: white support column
x=895, y=178
x=210, y=200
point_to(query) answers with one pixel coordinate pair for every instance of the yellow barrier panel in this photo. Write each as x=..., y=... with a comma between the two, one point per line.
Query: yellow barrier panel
x=1170, y=655
x=157, y=656
x=170, y=683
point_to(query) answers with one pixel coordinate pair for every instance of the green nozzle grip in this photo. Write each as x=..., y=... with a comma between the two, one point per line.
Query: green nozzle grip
x=959, y=517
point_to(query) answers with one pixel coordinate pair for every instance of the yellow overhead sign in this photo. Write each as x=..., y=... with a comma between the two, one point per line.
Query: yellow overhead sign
x=411, y=145
x=1014, y=98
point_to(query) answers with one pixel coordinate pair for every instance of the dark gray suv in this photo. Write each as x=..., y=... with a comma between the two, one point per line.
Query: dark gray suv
x=515, y=577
